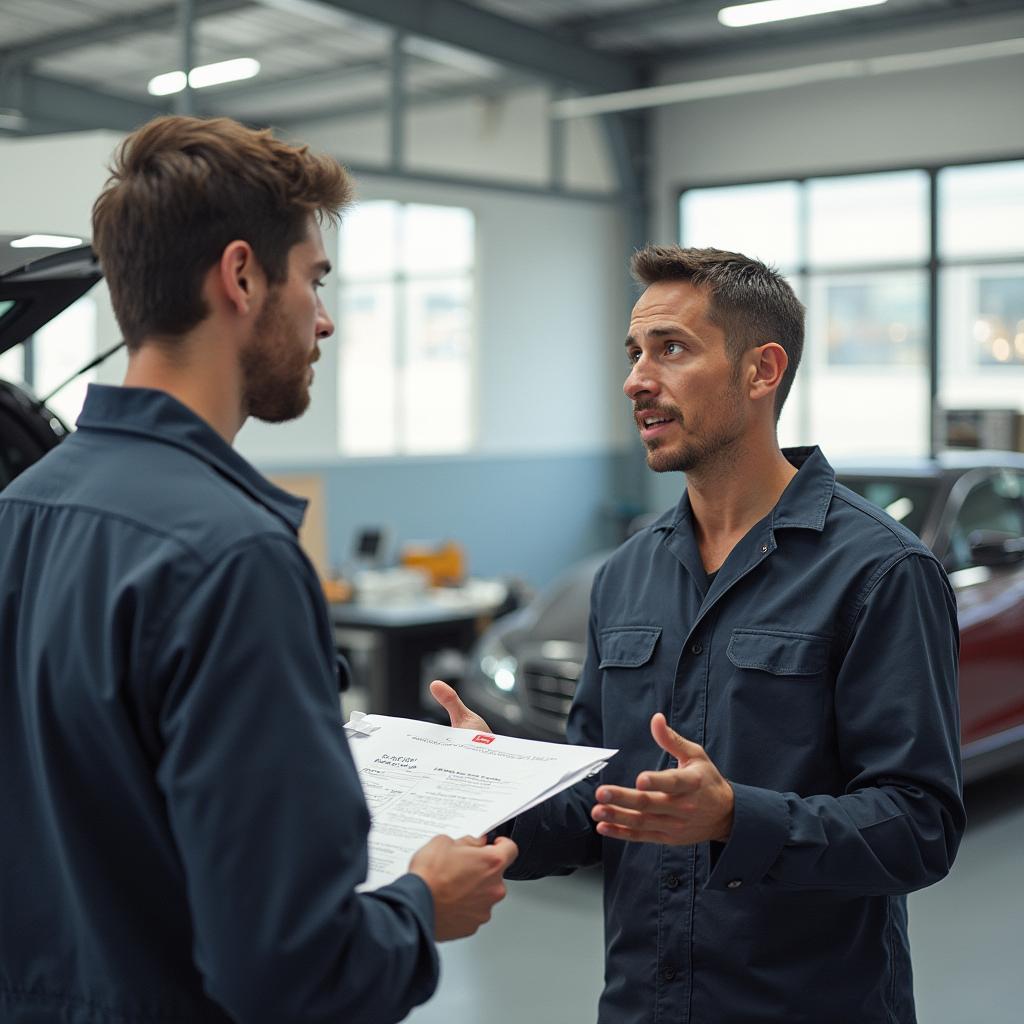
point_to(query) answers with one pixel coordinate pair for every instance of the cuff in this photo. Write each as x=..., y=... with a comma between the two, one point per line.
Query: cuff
x=760, y=828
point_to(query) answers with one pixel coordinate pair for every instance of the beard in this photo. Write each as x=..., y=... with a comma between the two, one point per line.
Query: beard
x=705, y=448
x=275, y=371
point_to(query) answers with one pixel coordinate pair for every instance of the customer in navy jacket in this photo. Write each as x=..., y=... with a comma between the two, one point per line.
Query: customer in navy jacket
x=182, y=829
x=777, y=660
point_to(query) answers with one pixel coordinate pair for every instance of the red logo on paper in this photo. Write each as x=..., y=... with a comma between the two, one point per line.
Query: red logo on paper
x=483, y=738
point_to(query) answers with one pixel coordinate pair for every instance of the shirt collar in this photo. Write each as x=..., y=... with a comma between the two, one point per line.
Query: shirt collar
x=155, y=414
x=804, y=503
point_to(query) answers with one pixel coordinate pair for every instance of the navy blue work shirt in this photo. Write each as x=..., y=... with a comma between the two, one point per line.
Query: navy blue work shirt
x=182, y=828
x=819, y=671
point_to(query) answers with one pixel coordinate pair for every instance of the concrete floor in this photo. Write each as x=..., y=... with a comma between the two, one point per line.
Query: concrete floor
x=540, y=959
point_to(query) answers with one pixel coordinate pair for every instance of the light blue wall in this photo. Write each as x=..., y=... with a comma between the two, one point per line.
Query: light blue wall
x=523, y=516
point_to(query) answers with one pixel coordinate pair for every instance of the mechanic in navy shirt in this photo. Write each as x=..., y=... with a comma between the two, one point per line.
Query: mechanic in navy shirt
x=777, y=660
x=182, y=829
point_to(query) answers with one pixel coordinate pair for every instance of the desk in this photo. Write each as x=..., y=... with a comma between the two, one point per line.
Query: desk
x=390, y=642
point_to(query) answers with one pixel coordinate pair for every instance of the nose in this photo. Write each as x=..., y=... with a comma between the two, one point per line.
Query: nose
x=639, y=382
x=324, y=324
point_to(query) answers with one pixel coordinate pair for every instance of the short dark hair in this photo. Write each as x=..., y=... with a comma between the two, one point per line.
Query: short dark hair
x=180, y=190
x=750, y=301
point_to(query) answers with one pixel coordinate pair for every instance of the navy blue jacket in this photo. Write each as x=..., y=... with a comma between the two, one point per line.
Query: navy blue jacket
x=181, y=824
x=819, y=671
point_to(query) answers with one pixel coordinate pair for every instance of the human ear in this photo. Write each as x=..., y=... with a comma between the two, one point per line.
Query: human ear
x=239, y=275
x=768, y=367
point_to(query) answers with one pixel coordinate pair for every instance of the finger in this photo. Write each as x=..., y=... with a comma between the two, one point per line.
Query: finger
x=508, y=849
x=472, y=841
x=672, y=781
x=450, y=701
x=671, y=742
x=630, y=835
x=655, y=797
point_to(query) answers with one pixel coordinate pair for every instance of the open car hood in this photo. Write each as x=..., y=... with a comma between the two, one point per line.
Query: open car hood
x=37, y=284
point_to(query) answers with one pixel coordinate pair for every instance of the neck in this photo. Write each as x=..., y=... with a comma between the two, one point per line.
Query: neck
x=730, y=496
x=202, y=375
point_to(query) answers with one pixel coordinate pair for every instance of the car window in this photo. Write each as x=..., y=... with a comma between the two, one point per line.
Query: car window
x=995, y=503
x=906, y=499
x=5, y=306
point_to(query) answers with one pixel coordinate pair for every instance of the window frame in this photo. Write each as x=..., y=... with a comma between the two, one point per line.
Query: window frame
x=933, y=264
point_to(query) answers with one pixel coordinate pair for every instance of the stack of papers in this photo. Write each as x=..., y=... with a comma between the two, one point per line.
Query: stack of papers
x=423, y=780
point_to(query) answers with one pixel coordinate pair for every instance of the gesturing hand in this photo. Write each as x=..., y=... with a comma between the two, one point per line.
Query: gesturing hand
x=461, y=717
x=688, y=804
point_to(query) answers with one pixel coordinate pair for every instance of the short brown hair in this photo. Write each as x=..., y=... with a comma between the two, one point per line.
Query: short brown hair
x=748, y=300
x=180, y=190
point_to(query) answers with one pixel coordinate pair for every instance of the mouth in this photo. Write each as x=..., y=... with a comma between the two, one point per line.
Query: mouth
x=653, y=424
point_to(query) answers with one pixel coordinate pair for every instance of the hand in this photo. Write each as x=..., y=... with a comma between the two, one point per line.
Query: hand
x=464, y=877
x=681, y=806
x=461, y=717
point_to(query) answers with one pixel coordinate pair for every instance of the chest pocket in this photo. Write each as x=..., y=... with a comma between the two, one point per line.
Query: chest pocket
x=627, y=646
x=778, y=653
x=776, y=681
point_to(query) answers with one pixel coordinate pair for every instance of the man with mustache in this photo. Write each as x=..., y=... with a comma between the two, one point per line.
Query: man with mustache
x=182, y=829
x=777, y=660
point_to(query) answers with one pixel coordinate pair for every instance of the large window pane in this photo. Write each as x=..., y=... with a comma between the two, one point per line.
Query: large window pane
x=436, y=239
x=436, y=374
x=62, y=347
x=367, y=388
x=874, y=319
x=981, y=337
x=865, y=373
x=981, y=210
x=368, y=242
x=868, y=218
x=12, y=364
x=757, y=220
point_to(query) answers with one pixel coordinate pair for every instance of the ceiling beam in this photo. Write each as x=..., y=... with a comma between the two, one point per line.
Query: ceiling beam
x=110, y=30
x=644, y=16
x=522, y=47
x=45, y=101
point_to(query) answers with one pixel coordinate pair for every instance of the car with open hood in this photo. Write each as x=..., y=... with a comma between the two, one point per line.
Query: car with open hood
x=38, y=281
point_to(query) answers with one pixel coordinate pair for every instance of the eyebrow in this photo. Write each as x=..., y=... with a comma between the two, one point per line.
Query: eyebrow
x=662, y=332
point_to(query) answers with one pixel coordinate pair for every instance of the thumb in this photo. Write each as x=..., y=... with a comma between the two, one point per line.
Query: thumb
x=451, y=702
x=671, y=742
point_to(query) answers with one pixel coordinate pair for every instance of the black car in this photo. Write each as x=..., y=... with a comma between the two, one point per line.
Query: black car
x=968, y=506
x=37, y=282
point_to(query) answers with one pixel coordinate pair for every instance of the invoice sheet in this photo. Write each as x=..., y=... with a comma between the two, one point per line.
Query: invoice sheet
x=423, y=780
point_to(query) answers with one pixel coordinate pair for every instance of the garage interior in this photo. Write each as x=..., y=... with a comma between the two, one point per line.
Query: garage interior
x=509, y=155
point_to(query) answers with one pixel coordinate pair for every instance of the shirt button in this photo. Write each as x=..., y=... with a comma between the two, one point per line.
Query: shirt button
x=734, y=884
x=669, y=973
x=764, y=549
x=697, y=647
x=672, y=882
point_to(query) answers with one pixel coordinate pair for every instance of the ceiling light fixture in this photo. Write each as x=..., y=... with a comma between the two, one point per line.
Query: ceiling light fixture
x=204, y=76
x=45, y=242
x=742, y=15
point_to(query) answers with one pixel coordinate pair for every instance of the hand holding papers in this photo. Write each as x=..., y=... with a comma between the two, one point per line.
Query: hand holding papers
x=422, y=780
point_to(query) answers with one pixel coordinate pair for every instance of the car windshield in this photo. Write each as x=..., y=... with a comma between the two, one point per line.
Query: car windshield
x=906, y=499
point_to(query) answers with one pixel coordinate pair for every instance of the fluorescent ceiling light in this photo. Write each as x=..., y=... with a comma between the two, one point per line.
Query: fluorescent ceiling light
x=46, y=242
x=742, y=15
x=204, y=76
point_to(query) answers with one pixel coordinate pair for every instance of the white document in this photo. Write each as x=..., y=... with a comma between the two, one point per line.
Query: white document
x=423, y=780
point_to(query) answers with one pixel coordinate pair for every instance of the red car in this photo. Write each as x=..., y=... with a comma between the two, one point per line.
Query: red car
x=968, y=506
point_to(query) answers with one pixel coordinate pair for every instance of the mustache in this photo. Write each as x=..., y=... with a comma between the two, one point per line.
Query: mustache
x=649, y=405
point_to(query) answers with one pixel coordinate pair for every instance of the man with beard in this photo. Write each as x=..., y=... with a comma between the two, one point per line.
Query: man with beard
x=183, y=829
x=777, y=660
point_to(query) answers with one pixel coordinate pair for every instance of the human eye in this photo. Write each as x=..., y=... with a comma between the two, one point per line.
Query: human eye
x=632, y=355
x=673, y=348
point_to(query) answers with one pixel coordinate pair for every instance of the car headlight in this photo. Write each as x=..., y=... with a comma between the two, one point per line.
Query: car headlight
x=499, y=666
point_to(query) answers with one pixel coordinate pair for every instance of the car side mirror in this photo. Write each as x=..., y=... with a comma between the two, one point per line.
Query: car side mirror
x=994, y=548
